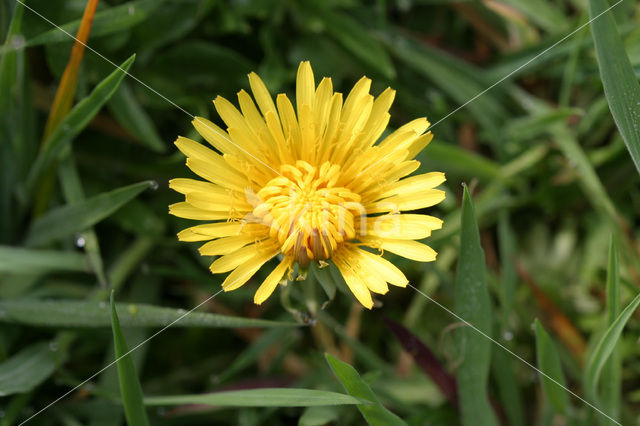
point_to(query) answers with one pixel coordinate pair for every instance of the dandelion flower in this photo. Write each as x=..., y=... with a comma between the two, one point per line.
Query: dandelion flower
x=309, y=184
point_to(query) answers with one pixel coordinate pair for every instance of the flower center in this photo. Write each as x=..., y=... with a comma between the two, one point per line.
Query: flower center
x=306, y=212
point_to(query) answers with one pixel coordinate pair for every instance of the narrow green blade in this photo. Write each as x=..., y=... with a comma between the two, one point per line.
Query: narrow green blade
x=18, y=260
x=134, y=409
x=606, y=345
x=266, y=397
x=74, y=122
x=473, y=305
x=375, y=414
x=74, y=314
x=27, y=369
x=611, y=383
x=66, y=220
x=549, y=364
x=618, y=78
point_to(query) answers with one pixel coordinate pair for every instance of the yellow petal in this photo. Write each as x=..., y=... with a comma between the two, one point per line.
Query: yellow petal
x=414, y=184
x=185, y=186
x=418, y=200
x=322, y=103
x=210, y=231
x=354, y=282
x=271, y=282
x=193, y=149
x=305, y=86
x=233, y=260
x=261, y=94
x=218, y=202
x=410, y=249
x=213, y=134
x=225, y=245
x=219, y=173
x=244, y=272
x=385, y=269
x=188, y=211
x=289, y=121
x=402, y=226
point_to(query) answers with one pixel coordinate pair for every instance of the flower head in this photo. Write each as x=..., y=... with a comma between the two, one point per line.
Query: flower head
x=309, y=184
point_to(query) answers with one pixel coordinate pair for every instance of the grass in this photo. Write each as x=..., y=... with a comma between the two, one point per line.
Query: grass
x=539, y=249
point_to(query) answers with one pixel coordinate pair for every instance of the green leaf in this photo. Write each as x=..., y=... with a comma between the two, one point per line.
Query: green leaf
x=618, y=78
x=264, y=397
x=458, y=79
x=606, y=345
x=549, y=364
x=65, y=313
x=66, y=220
x=473, y=305
x=318, y=416
x=109, y=21
x=611, y=383
x=356, y=40
x=134, y=409
x=10, y=105
x=18, y=260
x=27, y=369
x=127, y=110
x=375, y=414
x=75, y=122
x=543, y=13
x=445, y=156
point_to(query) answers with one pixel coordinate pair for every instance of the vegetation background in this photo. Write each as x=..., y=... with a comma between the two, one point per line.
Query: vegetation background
x=83, y=210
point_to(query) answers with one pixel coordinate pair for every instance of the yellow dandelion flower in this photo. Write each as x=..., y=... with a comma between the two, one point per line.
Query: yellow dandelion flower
x=310, y=184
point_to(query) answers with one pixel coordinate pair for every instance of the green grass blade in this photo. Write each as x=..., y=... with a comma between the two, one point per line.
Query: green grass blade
x=65, y=313
x=610, y=388
x=355, y=39
x=549, y=364
x=130, y=390
x=375, y=414
x=66, y=220
x=10, y=64
x=543, y=13
x=472, y=304
x=17, y=260
x=456, y=78
x=459, y=161
x=127, y=110
x=605, y=347
x=618, y=78
x=74, y=193
x=108, y=21
x=507, y=245
x=27, y=369
x=265, y=397
x=75, y=122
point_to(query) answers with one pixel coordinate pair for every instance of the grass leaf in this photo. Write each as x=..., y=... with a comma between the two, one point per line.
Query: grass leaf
x=375, y=414
x=127, y=110
x=17, y=260
x=610, y=391
x=265, y=397
x=605, y=347
x=549, y=364
x=130, y=390
x=472, y=304
x=71, y=218
x=65, y=313
x=108, y=21
x=75, y=122
x=27, y=369
x=458, y=79
x=618, y=78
